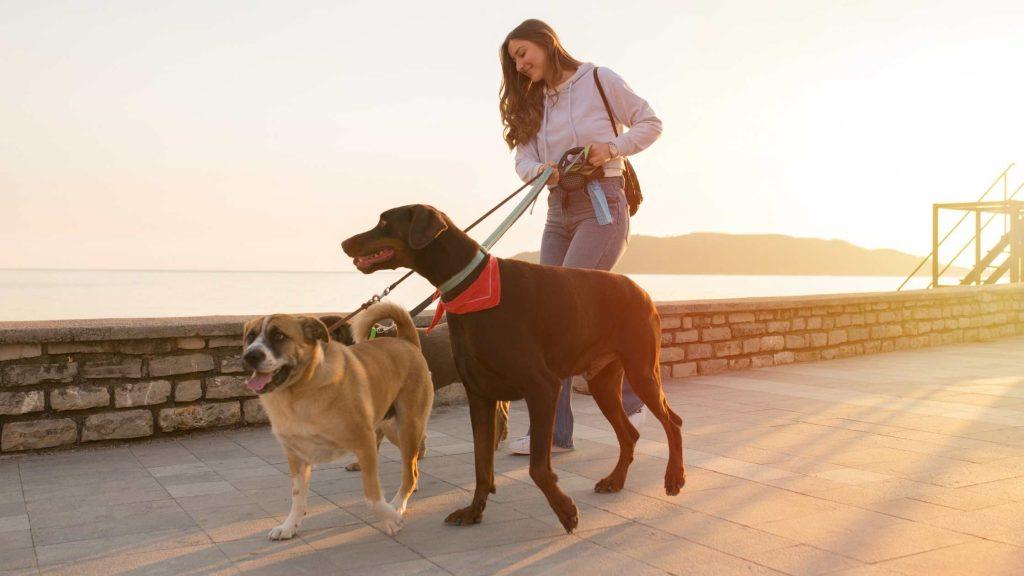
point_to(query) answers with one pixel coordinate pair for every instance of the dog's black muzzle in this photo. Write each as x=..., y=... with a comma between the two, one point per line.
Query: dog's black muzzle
x=253, y=358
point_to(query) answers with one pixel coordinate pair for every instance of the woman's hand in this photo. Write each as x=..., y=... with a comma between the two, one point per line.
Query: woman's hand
x=599, y=153
x=553, y=179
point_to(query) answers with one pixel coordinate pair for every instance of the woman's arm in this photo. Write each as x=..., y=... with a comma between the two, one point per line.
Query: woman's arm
x=528, y=162
x=633, y=111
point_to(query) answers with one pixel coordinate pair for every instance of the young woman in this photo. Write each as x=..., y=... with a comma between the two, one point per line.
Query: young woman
x=550, y=103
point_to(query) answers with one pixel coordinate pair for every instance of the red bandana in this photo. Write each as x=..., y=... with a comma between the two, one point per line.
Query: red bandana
x=483, y=293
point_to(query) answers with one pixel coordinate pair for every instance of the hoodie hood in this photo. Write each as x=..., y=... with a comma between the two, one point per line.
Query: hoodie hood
x=584, y=69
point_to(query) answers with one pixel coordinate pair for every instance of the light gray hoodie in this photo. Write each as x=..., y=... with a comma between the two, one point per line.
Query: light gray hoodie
x=574, y=115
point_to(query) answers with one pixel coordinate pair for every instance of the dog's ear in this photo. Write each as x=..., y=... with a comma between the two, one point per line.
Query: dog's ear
x=427, y=224
x=250, y=325
x=313, y=329
x=342, y=333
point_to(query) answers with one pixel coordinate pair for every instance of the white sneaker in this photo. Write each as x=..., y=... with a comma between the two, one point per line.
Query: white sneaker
x=638, y=418
x=522, y=446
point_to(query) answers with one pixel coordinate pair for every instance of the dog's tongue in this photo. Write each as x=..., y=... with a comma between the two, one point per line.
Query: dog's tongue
x=257, y=381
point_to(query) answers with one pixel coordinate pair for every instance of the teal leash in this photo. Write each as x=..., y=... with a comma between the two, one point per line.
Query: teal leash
x=538, y=184
x=518, y=211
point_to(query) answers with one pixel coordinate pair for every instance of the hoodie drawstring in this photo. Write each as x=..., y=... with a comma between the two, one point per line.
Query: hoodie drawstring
x=572, y=125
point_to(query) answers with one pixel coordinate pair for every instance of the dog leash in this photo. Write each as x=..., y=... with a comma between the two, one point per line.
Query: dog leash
x=377, y=297
x=499, y=231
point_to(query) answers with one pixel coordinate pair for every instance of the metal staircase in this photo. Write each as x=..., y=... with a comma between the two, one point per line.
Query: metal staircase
x=991, y=263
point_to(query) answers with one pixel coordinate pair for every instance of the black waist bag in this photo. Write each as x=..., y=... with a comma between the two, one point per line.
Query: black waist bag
x=631, y=187
x=575, y=172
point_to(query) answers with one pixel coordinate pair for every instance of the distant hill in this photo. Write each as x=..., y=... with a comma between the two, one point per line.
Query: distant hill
x=759, y=254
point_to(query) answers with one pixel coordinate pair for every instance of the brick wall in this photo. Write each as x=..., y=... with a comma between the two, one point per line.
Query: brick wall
x=74, y=382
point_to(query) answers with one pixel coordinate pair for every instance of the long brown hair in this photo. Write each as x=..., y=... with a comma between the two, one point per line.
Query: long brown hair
x=521, y=101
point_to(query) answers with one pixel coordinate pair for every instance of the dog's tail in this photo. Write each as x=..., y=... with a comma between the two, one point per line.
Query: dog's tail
x=383, y=310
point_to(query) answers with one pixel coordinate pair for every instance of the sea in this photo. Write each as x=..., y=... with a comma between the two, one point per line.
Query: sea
x=81, y=294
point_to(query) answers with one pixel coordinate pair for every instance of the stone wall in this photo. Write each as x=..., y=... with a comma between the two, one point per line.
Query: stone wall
x=75, y=382
x=713, y=336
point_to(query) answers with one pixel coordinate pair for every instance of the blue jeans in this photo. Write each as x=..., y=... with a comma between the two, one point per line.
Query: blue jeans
x=573, y=238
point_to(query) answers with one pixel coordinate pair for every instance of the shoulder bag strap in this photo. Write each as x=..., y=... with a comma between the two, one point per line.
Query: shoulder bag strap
x=611, y=118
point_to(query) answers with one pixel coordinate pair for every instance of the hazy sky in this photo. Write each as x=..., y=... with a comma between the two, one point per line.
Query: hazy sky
x=257, y=135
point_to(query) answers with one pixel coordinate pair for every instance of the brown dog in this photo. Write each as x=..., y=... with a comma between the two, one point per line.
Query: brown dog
x=551, y=323
x=325, y=399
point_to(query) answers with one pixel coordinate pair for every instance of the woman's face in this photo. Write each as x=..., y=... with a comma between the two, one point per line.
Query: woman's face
x=529, y=59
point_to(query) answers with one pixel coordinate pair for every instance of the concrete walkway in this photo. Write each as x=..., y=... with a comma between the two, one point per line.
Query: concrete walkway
x=901, y=463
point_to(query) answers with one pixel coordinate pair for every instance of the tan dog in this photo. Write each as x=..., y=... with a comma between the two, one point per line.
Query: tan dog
x=437, y=348
x=325, y=399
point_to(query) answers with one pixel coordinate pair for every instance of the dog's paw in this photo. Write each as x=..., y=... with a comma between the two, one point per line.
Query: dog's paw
x=675, y=479
x=392, y=526
x=568, y=515
x=353, y=467
x=283, y=532
x=609, y=484
x=398, y=506
x=391, y=518
x=464, y=516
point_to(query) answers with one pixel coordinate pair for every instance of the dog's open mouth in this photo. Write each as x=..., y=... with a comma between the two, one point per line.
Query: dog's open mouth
x=261, y=382
x=367, y=260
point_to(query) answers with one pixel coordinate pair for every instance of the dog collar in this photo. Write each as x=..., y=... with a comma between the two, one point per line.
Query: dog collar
x=454, y=281
x=484, y=293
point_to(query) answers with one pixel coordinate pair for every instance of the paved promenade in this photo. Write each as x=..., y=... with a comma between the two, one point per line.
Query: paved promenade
x=899, y=463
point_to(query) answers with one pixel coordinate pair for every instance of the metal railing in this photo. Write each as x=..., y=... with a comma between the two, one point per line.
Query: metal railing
x=1004, y=178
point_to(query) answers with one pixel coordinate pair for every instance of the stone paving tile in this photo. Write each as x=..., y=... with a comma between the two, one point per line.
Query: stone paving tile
x=971, y=498
x=200, y=488
x=236, y=498
x=89, y=513
x=204, y=559
x=757, y=504
x=358, y=547
x=12, y=496
x=673, y=555
x=981, y=558
x=410, y=568
x=14, y=523
x=262, y=556
x=178, y=480
x=163, y=516
x=563, y=555
x=867, y=570
x=14, y=539
x=719, y=534
x=18, y=559
x=804, y=560
x=984, y=522
x=446, y=539
x=113, y=492
x=864, y=535
x=175, y=470
x=87, y=550
x=20, y=572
